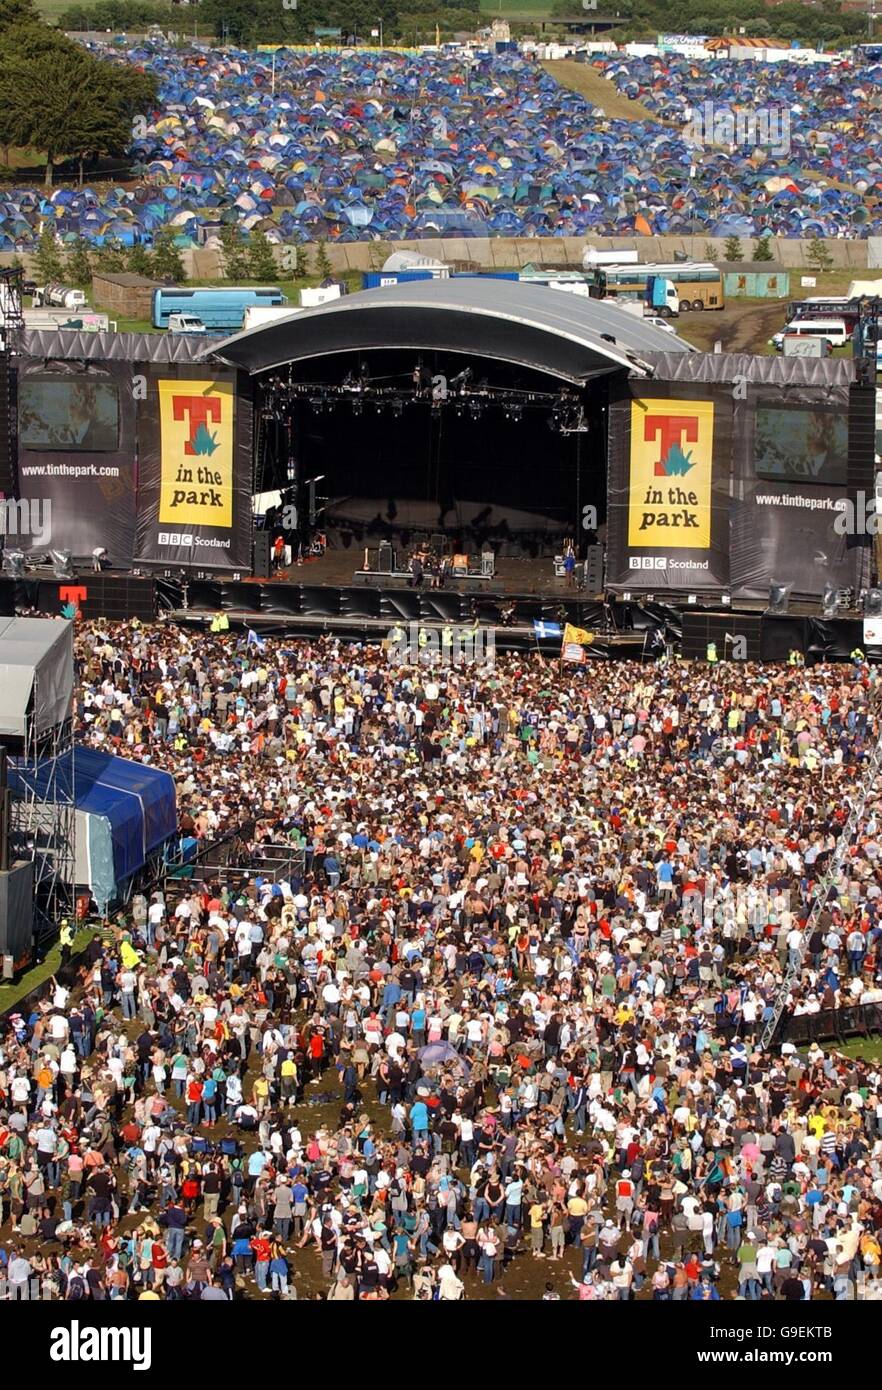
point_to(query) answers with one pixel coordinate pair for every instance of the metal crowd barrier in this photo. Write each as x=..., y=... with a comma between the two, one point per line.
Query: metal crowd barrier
x=854, y=1020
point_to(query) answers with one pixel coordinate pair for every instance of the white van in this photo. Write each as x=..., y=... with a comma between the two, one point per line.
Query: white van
x=834, y=330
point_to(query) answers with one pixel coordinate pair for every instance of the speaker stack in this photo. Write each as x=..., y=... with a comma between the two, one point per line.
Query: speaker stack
x=594, y=569
x=735, y=635
x=261, y=564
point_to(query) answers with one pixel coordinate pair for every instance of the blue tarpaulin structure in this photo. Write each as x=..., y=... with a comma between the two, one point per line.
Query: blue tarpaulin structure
x=125, y=811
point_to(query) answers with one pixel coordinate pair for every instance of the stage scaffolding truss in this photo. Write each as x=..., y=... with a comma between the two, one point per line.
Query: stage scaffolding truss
x=42, y=819
x=36, y=729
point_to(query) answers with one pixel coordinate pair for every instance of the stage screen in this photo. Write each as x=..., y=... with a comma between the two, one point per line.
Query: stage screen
x=801, y=445
x=73, y=415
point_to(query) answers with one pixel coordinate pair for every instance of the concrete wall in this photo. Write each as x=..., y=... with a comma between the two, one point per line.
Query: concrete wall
x=505, y=253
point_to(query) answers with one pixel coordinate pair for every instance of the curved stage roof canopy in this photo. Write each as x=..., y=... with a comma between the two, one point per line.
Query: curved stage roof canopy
x=531, y=326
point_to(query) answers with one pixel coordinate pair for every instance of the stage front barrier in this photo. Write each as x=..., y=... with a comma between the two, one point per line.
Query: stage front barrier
x=857, y=1019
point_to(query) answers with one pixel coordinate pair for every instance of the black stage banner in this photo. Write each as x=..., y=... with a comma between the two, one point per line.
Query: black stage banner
x=76, y=460
x=790, y=481
x=736, y=485
x=194, y=499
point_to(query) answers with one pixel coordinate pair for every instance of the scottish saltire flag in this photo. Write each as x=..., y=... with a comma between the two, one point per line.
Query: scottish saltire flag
x=549, y=630
x=254, y=641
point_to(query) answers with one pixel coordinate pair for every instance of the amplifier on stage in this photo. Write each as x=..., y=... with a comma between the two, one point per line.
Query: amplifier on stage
x=488, y=564
x=460, y=564
x=386, y=558
x=560, y=569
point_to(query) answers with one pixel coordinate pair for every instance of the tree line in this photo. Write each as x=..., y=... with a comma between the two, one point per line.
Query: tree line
x=244, y=260
x=824, y=27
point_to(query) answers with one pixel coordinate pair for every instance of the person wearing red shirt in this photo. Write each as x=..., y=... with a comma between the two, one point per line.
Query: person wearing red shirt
x=194, y=1100
x=262, y=1248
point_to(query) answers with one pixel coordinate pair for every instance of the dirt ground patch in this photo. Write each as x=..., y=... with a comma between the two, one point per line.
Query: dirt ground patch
x=740, y=327
x=589, y=83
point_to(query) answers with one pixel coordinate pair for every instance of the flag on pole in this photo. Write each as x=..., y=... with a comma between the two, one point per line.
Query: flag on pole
x=253, y=640
x=577, y=636
x=550, y=630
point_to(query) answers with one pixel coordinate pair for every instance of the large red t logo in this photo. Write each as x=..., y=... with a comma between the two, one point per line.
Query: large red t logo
x=75, y=594
x=199, y=410
x=669, y=430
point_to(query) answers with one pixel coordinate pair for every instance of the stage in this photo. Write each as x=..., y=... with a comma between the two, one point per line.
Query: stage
x=512, y=575
x=300, y=606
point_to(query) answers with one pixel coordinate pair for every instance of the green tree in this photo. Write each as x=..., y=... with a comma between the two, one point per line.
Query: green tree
x=139, y=260
x=817, y=255
x=235, y=255
x=79, y=265
x=50, y=266
x=17, y=12
x=111, y=258
x=762, y=250
x=710, y=251
x=261, y=261
x=301, y=262
x=167, y=262
x=732, y=249
x=62, y=101
x=323, y=267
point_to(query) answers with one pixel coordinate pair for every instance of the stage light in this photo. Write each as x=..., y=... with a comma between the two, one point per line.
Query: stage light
x=62, y=564
x=779, y=598
x=830, y=601
x=726, y=600
x=356, y=407
x=14, y=564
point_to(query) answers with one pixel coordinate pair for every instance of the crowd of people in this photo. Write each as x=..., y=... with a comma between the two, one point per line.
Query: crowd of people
x=497, y=1030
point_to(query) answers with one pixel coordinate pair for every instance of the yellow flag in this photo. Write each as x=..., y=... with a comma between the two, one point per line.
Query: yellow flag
x=577, y=635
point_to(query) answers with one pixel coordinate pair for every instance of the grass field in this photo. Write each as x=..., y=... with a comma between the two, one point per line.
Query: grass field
x=516, y=9
x=507, y=9
x=51, y=9
x=867, y=1049
x=10, y=994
